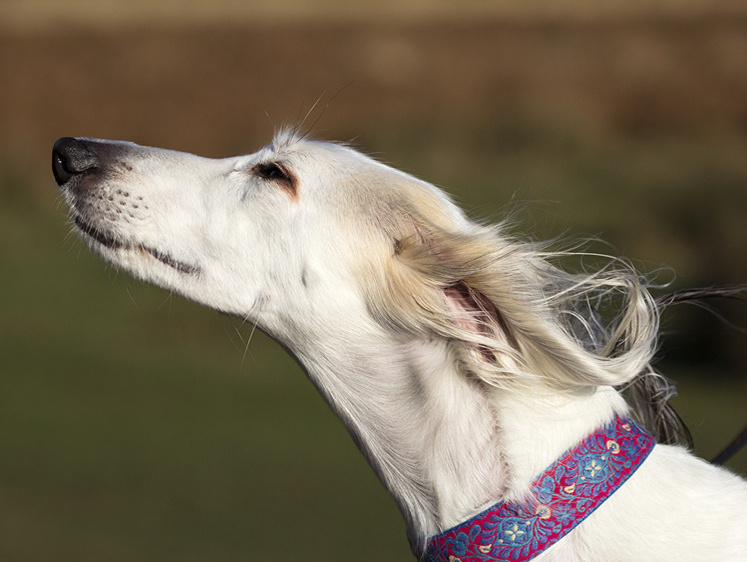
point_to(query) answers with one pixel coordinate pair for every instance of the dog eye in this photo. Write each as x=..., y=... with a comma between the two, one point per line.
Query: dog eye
x=270, y=171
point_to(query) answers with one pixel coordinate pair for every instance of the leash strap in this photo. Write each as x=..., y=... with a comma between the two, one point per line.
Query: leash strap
x=561, y=498
x=732, y=449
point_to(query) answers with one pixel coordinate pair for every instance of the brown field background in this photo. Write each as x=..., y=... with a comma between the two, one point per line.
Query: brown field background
x=135, y=426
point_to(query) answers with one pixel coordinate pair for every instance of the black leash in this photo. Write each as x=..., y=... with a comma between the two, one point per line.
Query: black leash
x=731, y=449
x=736, y=291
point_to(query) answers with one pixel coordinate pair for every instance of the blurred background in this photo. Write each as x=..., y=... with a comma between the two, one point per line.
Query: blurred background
x=137, y=426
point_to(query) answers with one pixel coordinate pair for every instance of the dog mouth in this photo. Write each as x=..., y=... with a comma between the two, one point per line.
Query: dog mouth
x=109, y=241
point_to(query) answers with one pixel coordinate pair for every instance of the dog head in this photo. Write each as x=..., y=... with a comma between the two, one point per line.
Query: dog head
x=281, y=235
x=310, y=239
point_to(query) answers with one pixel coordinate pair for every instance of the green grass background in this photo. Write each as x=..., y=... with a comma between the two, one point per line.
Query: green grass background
x=137, y=426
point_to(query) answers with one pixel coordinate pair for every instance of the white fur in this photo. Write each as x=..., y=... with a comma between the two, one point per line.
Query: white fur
x=448, y=350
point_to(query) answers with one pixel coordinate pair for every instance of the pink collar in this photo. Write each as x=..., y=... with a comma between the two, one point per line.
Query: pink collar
x=561, y=498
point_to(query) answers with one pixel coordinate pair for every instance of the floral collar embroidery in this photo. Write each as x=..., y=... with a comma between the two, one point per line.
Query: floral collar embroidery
x=561, y=498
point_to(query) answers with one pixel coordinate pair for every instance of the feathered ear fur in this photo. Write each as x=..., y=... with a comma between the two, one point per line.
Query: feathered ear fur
x=511, y=317
x=481, y=291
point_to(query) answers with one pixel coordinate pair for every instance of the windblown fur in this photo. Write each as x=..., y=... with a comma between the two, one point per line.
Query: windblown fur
x=463, y=361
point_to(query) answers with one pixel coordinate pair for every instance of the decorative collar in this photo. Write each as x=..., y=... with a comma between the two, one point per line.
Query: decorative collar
x=560, y=498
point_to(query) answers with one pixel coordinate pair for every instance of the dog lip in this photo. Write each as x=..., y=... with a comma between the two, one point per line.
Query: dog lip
x=173, y=263
x=97, y=234
x=110, y=242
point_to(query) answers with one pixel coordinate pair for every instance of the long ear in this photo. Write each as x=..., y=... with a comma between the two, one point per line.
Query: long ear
x=512, y=318
x=445, y=272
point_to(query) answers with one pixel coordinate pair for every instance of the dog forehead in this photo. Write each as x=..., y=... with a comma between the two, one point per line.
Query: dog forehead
x=359, y=186
x=336, y=157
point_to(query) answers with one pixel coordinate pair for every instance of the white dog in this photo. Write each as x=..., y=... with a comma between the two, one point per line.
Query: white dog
x=478, y=379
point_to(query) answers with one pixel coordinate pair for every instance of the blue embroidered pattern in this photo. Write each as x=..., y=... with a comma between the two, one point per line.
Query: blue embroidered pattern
x=563, y=496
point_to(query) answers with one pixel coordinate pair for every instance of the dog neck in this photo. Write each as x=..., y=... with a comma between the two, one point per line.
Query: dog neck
x=444, y=446
x=560, y=498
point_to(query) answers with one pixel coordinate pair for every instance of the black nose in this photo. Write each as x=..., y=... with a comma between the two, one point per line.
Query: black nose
x=71, y=157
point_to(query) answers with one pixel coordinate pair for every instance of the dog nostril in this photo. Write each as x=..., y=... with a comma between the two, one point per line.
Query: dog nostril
x=71, y=157
x=61, y=174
